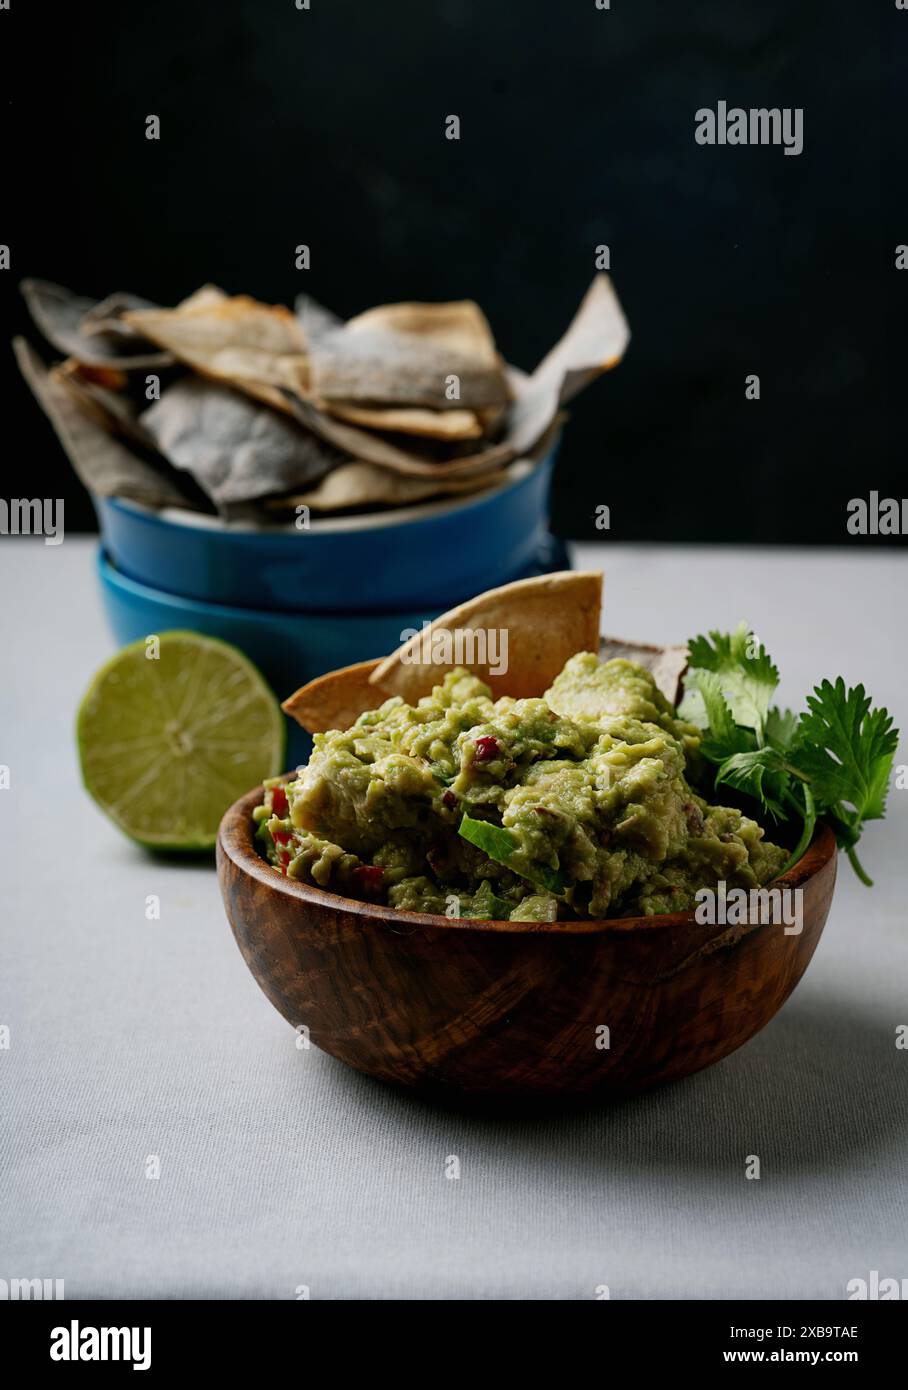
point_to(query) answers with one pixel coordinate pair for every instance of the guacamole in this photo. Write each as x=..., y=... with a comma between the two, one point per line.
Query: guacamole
x=577, y=804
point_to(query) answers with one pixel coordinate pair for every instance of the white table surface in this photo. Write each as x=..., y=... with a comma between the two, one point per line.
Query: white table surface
x=281, y=1168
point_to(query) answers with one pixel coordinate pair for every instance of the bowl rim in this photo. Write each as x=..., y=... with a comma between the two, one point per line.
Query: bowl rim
x=235, y=842
x=516, y=472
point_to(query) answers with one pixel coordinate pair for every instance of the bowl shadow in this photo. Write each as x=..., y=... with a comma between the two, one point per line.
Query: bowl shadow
x=818, y=1090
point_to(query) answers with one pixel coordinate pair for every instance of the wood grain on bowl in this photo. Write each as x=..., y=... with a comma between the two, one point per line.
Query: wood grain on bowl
x=513, y=1008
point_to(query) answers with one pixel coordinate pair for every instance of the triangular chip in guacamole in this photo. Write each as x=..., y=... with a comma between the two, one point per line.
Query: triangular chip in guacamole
x=516, y=638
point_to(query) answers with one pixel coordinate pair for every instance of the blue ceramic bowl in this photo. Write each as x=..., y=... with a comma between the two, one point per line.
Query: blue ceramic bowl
x=288, y=648
x=451, y=548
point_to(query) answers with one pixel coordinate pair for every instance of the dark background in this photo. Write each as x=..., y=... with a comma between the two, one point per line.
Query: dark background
x=326, y=127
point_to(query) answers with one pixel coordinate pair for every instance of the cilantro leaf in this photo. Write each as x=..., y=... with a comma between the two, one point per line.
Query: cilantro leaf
x=781, y=728
x=761, y=774
x=747, y=675
x=846, y=749
x=691, y=707
x=721, y=726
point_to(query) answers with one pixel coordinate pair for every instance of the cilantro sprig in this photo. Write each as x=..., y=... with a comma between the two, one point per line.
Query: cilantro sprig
x=834, y=760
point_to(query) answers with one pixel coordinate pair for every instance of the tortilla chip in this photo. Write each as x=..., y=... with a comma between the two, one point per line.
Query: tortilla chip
x=365, y=485
x=491, y=418
x=60, y=315
x=666, y=664
x=255, y=347
x=547, y=619
x=107, y=316
x=111, y=378
x=402, y=354
x=314, y=317
x=103, y=463
x=430, y=424
x=235, y=448
x=203, y=298
x=375, y=448
x=594, y=343
x=336, y=700
x=459, y=325
x=111, y=407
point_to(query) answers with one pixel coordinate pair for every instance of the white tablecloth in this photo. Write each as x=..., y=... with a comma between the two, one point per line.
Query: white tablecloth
x=280, y=1168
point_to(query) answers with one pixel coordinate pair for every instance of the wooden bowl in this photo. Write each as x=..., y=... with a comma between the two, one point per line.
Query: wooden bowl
x=513, y=1008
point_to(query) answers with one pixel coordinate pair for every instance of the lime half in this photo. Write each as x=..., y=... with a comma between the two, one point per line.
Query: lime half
x=171, y=731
